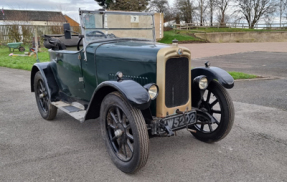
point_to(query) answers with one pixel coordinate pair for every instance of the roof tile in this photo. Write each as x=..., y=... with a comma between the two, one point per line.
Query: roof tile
x=28, y=15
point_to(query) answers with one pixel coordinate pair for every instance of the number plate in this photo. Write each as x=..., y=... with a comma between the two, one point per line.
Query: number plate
x=177, y=121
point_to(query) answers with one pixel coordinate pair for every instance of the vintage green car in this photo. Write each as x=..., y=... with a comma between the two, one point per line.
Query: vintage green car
x=137, y=88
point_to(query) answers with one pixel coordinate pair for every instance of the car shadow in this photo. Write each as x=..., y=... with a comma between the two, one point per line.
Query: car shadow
x=165, y=152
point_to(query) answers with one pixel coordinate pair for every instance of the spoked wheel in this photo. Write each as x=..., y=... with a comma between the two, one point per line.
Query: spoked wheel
x=125, y=133
x=47, y=110
x=216, y=102
x=120, y=133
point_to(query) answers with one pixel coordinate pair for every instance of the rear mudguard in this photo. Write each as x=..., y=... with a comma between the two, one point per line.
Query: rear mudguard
x=211, y=73
x=135, y=94
x=48, y=78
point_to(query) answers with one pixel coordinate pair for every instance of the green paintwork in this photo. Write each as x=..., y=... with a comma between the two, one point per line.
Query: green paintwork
x=136, y=60
x=67, y=69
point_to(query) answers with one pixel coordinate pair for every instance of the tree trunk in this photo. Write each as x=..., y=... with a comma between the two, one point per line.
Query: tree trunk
x=211, y=15
x=252, y=25
x=222, y=22
x=201, y=13
x=189, y=10
x=177, y=19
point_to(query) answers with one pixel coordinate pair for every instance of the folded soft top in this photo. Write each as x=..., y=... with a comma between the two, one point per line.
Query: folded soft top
x=73, y=42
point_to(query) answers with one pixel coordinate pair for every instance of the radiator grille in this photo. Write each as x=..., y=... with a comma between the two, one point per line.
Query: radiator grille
x=176, y=82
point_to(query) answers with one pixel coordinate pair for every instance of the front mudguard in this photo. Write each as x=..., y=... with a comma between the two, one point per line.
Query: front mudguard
x=134, y=93
x=214, y=73
x=48, y=79
x=211, y=73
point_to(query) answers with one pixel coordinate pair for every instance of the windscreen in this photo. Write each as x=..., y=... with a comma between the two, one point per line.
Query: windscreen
x=98, y=26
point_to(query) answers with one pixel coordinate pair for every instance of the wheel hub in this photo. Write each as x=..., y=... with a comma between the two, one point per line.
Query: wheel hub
x=205, y=107
x=118, y=133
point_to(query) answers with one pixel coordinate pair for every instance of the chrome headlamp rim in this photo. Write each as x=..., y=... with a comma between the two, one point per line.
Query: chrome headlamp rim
x=152, y=90
x=202, y=82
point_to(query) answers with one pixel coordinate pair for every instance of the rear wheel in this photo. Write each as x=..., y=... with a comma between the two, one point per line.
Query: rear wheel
x=46, y=109
x=125, y=133
x=216, y=102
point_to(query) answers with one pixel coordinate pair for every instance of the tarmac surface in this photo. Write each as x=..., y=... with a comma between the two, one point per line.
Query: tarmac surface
x=273, y=65
x=32, y=149
x=216, y=49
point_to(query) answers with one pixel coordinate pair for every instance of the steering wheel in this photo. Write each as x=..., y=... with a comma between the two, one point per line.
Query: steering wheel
x=93, y=33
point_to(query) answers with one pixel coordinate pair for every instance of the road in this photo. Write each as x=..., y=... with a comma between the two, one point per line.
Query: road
x=272, y=93
x=32, y=149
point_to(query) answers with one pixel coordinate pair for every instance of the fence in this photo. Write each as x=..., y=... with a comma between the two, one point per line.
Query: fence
x=25, y=33
x=188, y=26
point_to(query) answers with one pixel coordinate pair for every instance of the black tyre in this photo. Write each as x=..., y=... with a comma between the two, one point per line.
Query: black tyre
x=46, y=109
x=217, y=102
x=125, y=133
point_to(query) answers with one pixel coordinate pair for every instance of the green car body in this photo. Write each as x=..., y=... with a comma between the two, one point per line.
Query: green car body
x=136, y=87
x=104, y=60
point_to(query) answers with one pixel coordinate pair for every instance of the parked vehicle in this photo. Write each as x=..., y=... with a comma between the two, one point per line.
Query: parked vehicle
x=137, y=88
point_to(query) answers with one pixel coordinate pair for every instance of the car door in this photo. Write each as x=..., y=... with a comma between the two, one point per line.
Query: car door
x=69, y=73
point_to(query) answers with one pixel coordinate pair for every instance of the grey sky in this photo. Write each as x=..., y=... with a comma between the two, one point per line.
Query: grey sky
x=69, y=7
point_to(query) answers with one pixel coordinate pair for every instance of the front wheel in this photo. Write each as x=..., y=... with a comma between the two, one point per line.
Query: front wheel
x=216, y=102
x=46, y=109
x=125, y=133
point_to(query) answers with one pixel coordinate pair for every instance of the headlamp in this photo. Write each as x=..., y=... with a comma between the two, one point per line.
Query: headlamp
x=201, y=81
x=152, y=90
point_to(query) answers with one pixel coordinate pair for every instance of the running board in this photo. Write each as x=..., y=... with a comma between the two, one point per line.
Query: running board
x=76, y=110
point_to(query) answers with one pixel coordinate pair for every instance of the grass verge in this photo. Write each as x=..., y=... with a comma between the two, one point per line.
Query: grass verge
x=210, y=30
x=169, y=36
x=187, y=36
x=19, y=62
x=240, y=75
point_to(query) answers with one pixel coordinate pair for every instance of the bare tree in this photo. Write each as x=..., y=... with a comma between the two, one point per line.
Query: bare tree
x=170, y=14
x=227, y=18
x=125, y=5
x=186, y=10
x=222, y=6
x=160, y=6
x=285, y=9
x=211, y=5
x=282, y=10
x=177, y=16
x=253, y=10
x=202, y=6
